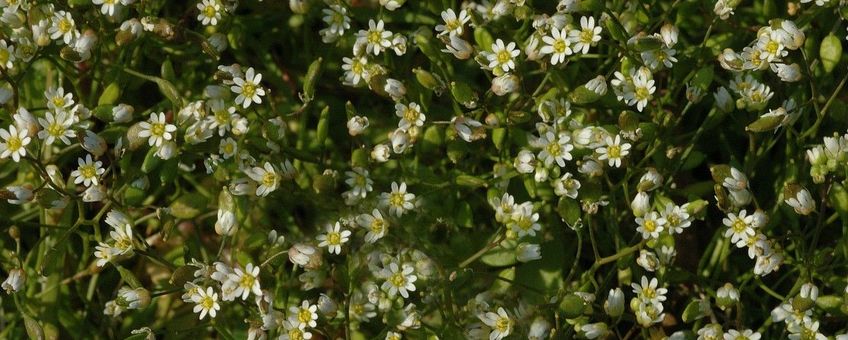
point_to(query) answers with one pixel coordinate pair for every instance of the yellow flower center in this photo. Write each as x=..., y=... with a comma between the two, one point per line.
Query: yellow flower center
x=247, y=281
x=157, y=129
x=586, y=36
x=554, y=149
x=396, y=199
x=207, y=302
x=504, y=56
x=58, y=101
x=334, y=238
x=209, y=11
x=229, y=148
x=88, y=171
x=772, y=47
x=398, y=280
x=295, y=334
x=374, y=37
x=559, y=46
x=502, y=325
x=248, y=89
x=56, y=129
x=650, y=226
x=378, y=225
x=304, y=315
x=269, y=179
x=649, y=292
x=739, y=225
x=642, y=93
x=411, y=115
x=673, y=219
x=14, y=143
x=614, y=151
x=222, y=117
x=65, y=25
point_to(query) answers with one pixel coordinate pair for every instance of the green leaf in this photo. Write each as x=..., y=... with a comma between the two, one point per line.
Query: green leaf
x=128, y=277
x=502, y=255
x=33, y=328
x=311, y=79
x=110, y=96
x=189, y=205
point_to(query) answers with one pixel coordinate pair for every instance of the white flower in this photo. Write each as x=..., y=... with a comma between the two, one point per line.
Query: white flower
x=356, y=125
x=555, y=149
x=410, y=115
x=648, y=292
x=356, y=69
x=14, y=143
x=381, y=153
x=107, y=6
x=88, y=172
x=739, y=228
x=376, y=39
x=395, y=89
x=304, y=316
x=206, y=302
x=334, y=238
x=503, y=56
x=392, y=4
x=393, y=336
x=359, y=182
x=399, y=280
x=63, y=27
x=336, y=17
x=500, y=323
x=558, y=46
x=398, y=201
x=453, y=25
x=15, y=281
x=267, y=178
x=676, y=217
x=242, y=283
x=586, y=36
x=104, y=253
x=787, y=72
x=375, y=224
x=747, y=334
x=524, y=221
x=803, y=202
x=248, y=88
x=93, y=143
x=460, y=49
x=597, y=85
x=156, y=129
x=771, y=45
x=643, y=90
x=736, y=181
x=122, y=113
x=226, y=223
x=808, y=329
x=210, y=12
x=56, y=126
x=613, y=151
x=526, y=252
x=651, y=225
x=7, y=55
x=566, y=186
x=293, y=331
x=468, y=129
x=227, y=148
x=22, y=194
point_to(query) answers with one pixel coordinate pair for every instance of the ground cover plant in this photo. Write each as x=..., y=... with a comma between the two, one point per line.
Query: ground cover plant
x=423, y=169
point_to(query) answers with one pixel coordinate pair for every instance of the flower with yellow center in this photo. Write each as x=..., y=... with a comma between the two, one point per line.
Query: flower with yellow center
x=88, y=172
x=651, y=225
x=374, y=223
x=206, y=301
x=500, y=323
x=156, y=129
x=398, y=201
x=248, y=88
x=503, y=55
x=305, y=315
x=242, y=283
x=267, y=178
x=399, y=279
x=558, y=46
x=334, y=238
x=14, y=143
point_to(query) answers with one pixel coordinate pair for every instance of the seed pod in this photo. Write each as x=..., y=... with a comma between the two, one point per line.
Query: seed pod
x=830, y=52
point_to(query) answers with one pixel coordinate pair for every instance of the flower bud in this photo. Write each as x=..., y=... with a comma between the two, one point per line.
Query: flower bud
x=727, y=296
x=641, y=204
x=93, y=143
x=505, y=84
x=571, y=306
x=15, y=281
x=122, y=113
x=526, y=252
x=614, y=306
x=19, y=194
x=94, y=193
x=327, y=306
x=381, y=153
